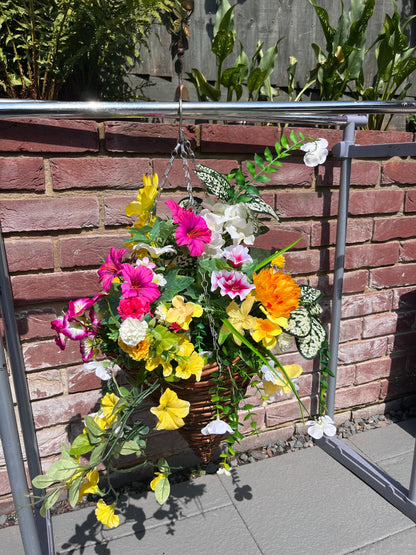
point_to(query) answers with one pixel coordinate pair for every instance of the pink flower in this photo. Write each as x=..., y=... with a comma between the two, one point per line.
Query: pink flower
x=57, y=325
x=111, y=268
x=86, y=347
x=133, y=307
x=73, y=329
x=138, y=283
x=231, y=283
x=78, y=307
x=237, y=255
x=192, y=229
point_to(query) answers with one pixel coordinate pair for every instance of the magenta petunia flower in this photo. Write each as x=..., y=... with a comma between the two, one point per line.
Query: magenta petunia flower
x=57, y=325
x=138, y=283
x=111, y=268
x=192, y=230
x=74, y=329
x=237, y=255
x=133, y=307
x=86, y=347
x=177, y=211
x=231, y=283
x=78, y=307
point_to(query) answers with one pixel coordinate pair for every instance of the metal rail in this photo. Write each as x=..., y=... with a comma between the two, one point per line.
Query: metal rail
x=345, y=114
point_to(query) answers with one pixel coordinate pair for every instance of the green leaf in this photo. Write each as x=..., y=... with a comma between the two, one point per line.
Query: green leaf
x=205, y=90
x=259, y=161
x=81, y=445
x=257, y=204
x=96, y=453
x=130, y=447
x=73, y=492
x=175, y=284
x=310, y=345
x=299, y=322
x=268, y=154
x=50, y=500
x=63, y=469
x=263, y=178
x=284, y=142
x=309, y=295
x=223, y=44
x=251, y=167
x=94, y=432
x=43, y=481
x=215, y=182
x=162, y=490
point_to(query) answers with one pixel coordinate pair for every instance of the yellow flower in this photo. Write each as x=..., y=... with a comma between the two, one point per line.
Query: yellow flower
x=182, y=313
x=153, y=363
x=89, y=484
x=189, y=362
x=105, y=514
x=159, y=476
x=108, y=403
x=279, y=261
x=139, y=352
x=282, y=385
x=145, y=200
x=239, y=317
x=171, y=411
x=267, y=330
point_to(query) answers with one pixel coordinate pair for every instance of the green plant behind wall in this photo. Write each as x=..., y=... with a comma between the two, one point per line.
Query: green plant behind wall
x=254, y=73
x=50, y=48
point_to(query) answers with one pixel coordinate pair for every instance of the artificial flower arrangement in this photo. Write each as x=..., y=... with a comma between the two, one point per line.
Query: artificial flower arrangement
x=189, y=292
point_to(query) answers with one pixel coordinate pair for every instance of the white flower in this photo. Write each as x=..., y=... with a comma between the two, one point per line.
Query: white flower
x=217, y=426
x=316, y=152
x=223, y=470
x=132, y=331
x=160, y=312
x=102, y=370
x=324, y=425
x=214, y=248
x=159, y=280
x=155, y=252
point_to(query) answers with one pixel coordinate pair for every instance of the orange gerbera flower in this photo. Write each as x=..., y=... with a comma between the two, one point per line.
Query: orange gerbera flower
x=276, y=291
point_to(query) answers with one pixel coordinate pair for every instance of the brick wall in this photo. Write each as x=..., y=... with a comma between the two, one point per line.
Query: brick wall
x=63, y=189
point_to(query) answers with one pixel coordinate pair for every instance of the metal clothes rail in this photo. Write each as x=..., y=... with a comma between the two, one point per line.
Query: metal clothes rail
x=347, y=115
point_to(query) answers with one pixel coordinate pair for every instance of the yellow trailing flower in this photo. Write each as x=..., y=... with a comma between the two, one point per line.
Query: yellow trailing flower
x=182, y=313
x=145, y=200
x=154, y=362
x=139, y=352
x=267, y=330
x=89, y=484
x=280, y=384
x=189, y=362
x=159, y=476
x=279, y=261
x=239, y=317
x=171, y=411
x=108, y=403
x=105, y=514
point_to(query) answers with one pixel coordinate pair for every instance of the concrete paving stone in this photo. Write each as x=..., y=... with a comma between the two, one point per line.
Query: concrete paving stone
x=382, y=443
x=402, y=543
x=139, y=512
x=399, y=468
x=306, y=502
x=216, y=531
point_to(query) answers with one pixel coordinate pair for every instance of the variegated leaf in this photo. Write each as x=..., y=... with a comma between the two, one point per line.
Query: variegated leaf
x=299, y=322
x=257, y=204
x=310, y=345
x=215, y=183
x=309, y=295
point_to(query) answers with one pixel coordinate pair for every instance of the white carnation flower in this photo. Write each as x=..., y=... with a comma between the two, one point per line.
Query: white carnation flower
x=132, y=331
x=316, y=152
x=217, y=426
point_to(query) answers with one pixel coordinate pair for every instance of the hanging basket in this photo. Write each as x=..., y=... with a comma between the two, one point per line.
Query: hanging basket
x=202, y=409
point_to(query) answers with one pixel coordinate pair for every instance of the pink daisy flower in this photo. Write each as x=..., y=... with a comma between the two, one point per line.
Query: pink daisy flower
x=111, y=268
x=231, y=283
x=139, y=283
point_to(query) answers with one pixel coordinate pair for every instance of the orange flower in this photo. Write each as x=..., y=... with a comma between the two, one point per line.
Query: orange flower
x=276, y=291
x=139, y=352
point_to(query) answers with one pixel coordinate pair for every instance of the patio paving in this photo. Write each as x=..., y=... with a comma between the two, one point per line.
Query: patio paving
x=301, y=502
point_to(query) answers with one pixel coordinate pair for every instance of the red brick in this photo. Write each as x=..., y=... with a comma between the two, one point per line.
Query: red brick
x=47, y=354
x=361, y=256
x=45, y=384
x=372, y=370
x=354, y=282
x=176, y=177
x=345, y=375
x=51, y=439
x=80, y=379
x=306, y=205
x=99, y=173
x=35, y=324
x=363, y=173
x=115, y=211
x=370, y=137
x=22, y=174
x=32, y=254
x=41, y=288
x=284, y=411
x=350, y=330
x=281, y=236
x=399, y=171
x=48, y=135
x=410, y=202
x=394, y=228
x=325, y=233
x=404, y=298
x=49, y=214
x=374, y=202
x=123, y=136
x=258, y=416
x=371, y=303
x=358, y=351
x=401, y=275
x=408, y=251
x=88, y=250
x=289, y=175
x=60, y=410
x=303, y=262
x=333, y=136
x=294, y=357
x=379, y=324
x=391, y=388
x=402, y=342
x=237, y=138
x=358, y=395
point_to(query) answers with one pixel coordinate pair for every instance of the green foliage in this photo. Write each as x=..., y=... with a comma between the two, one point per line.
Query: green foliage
x=54, y=48
x=254, y=74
